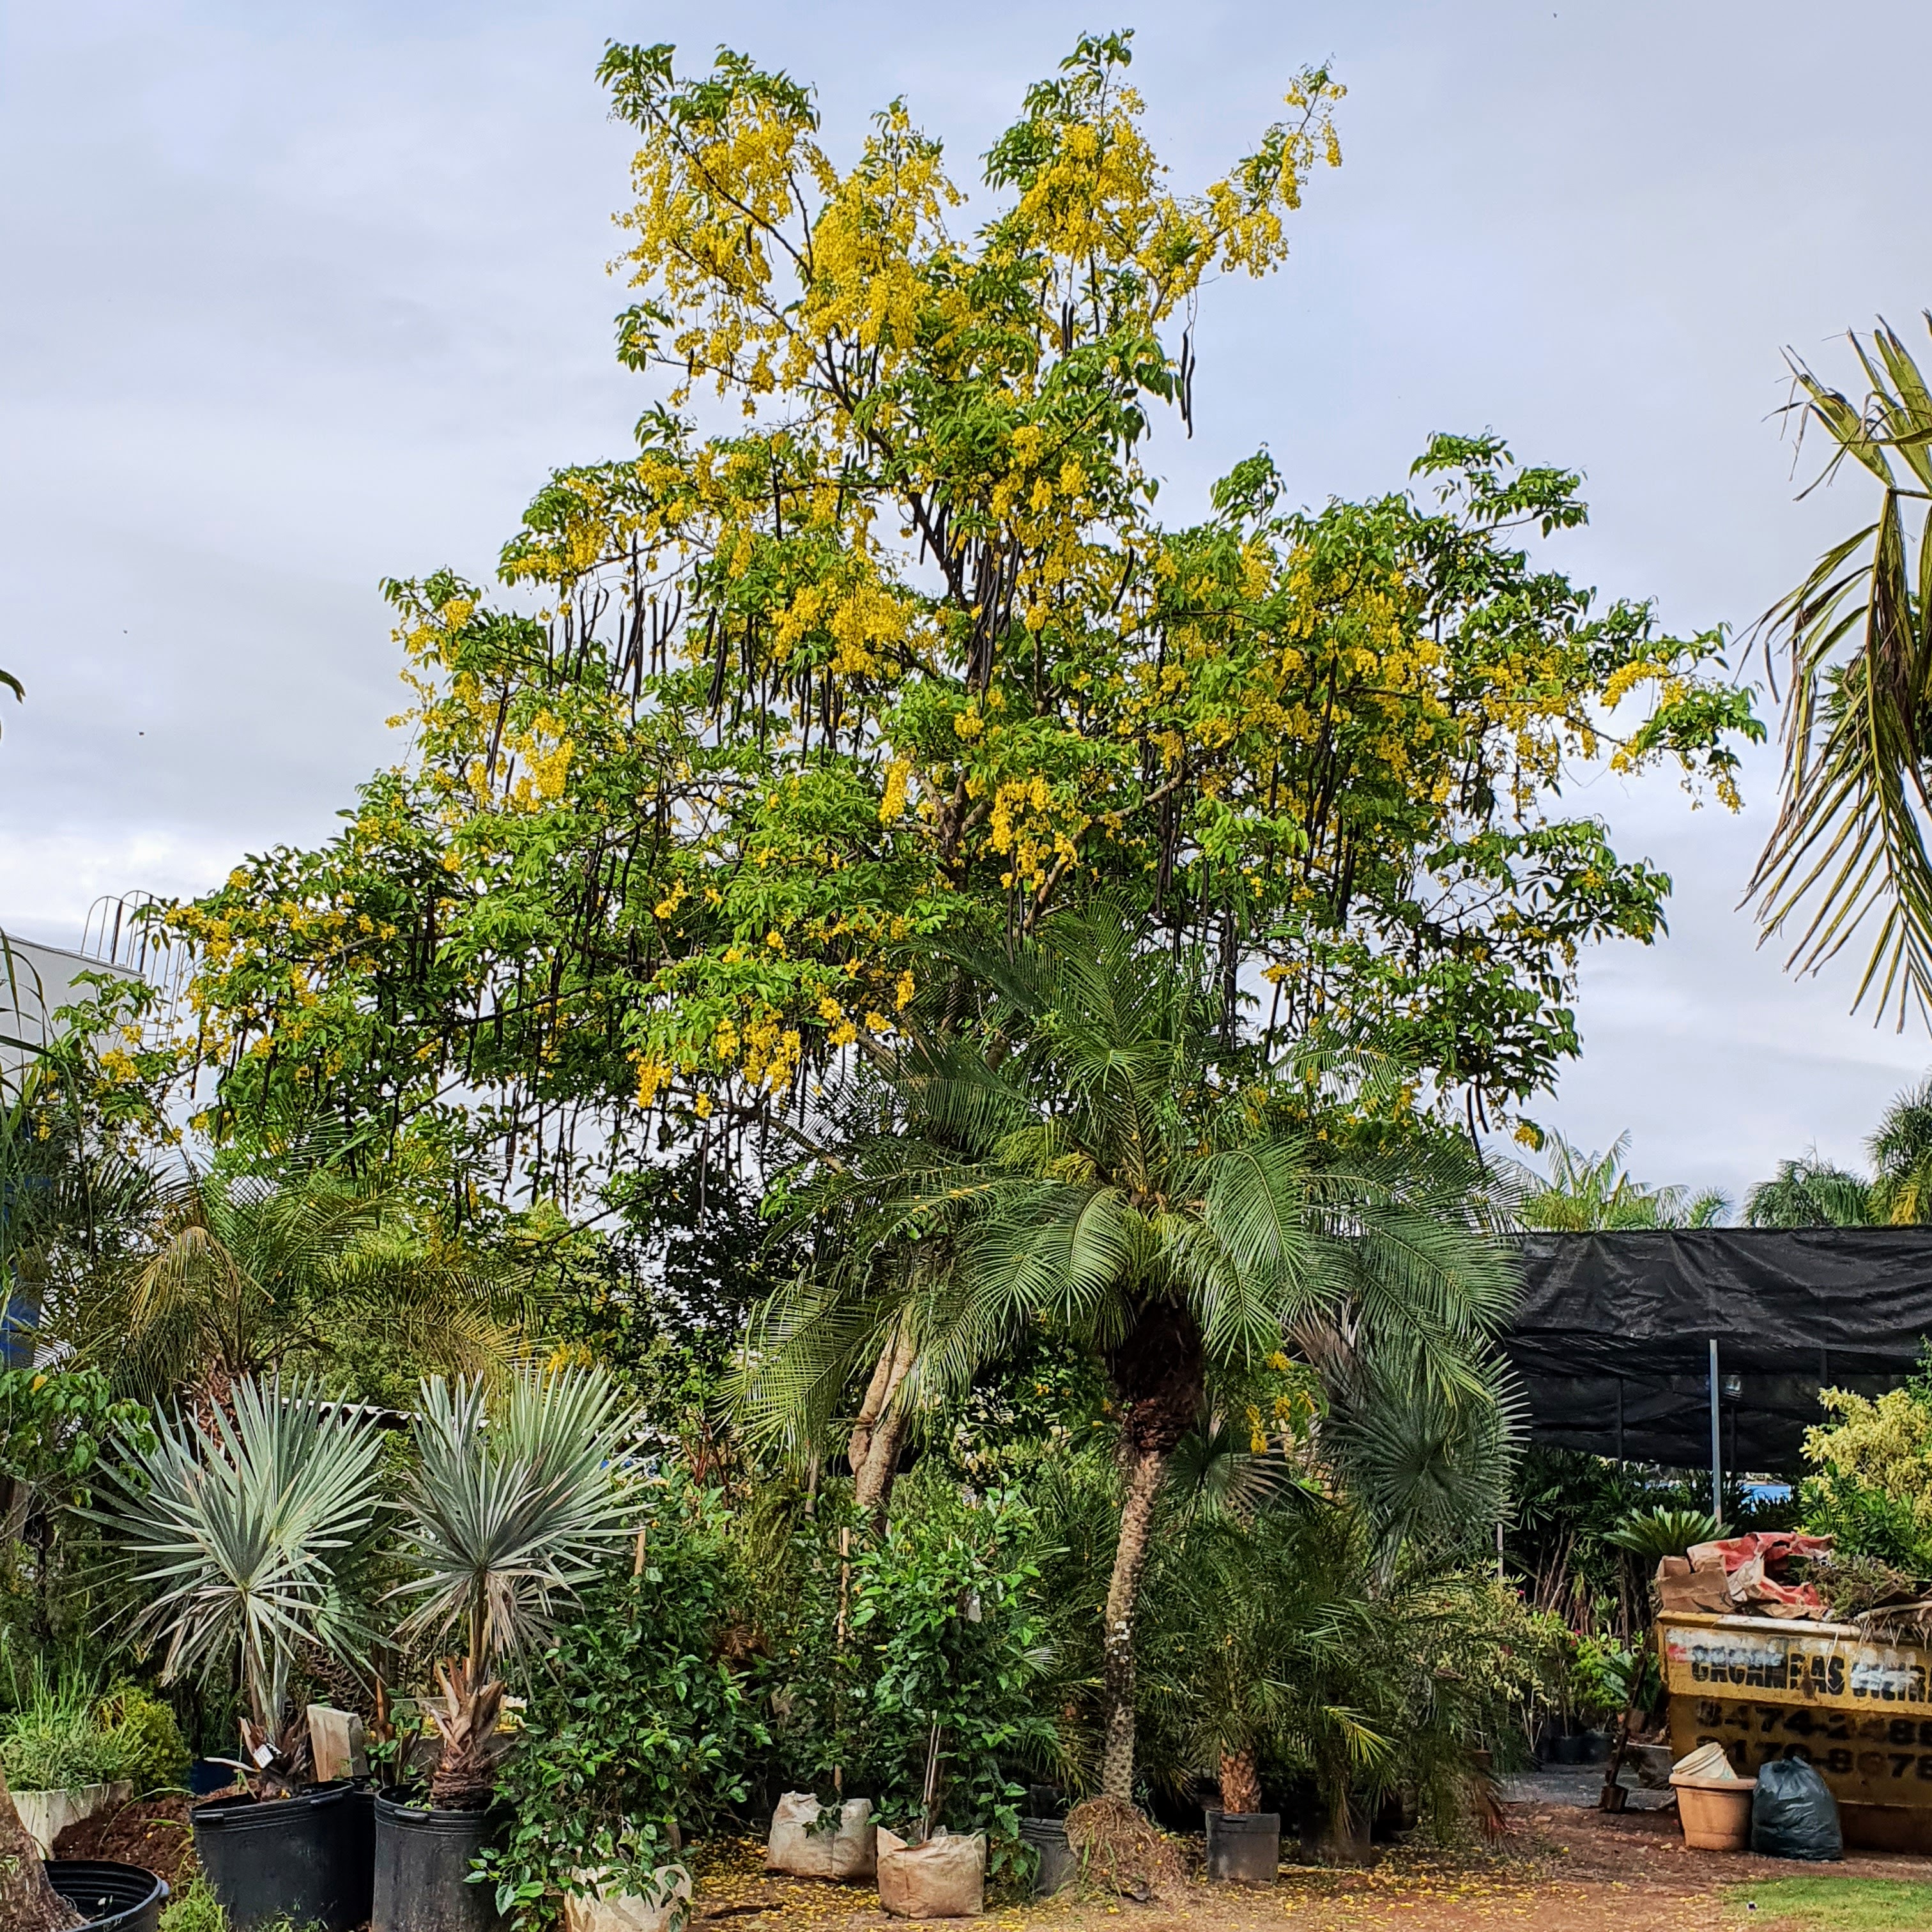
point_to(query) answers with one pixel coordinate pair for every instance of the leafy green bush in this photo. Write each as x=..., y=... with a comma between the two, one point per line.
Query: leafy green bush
x=1870, y=1488
x=156, y=1756
x=921, y=1649
x=640, y=1717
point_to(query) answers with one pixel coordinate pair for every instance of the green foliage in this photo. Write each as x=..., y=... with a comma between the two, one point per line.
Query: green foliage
x=296, y=1255
x=642, y=1717
x=939, y=1625
x=1286, y=1637
x=1650, y=1535
x=1589, y=1191
x=157, y=1756
x=1809, y=1193
x=238, y=1537
x=1870, y=1486
x=515, y=1499
x=54, y=1425
x=195, y=1909
x=62, y=1731
x=1848, y=852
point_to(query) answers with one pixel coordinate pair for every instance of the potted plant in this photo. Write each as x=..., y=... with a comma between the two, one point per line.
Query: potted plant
x=242, y=1531
x=509, y=1508
x=64, y=1761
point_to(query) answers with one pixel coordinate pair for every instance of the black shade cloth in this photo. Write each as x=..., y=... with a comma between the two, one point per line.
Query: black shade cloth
x=1611, y=1340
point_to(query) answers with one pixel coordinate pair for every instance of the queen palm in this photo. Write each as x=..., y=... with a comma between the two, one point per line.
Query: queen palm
x=1849, y=850
x=1088, y=1158
x=1586, y=1192
x=250, y=1274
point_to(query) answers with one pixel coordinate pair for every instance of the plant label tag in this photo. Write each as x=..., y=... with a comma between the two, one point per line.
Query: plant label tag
x=262, y=1753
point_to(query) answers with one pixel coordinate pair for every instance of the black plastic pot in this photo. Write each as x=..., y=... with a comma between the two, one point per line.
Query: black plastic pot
x=1058, y=1864
x=287, y=1858
x=1244, y=1847
x=423, y=1858
x=116, y=1898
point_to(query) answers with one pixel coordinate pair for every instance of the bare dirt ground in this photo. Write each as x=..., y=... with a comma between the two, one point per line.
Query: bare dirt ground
x=1558, y=1869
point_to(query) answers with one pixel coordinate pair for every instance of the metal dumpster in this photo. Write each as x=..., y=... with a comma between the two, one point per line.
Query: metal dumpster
x=1767, y=1687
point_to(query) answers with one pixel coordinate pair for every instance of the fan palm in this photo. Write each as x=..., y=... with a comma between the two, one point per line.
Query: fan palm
x=1091, y=1162
x=1849, y=847
x=240, y=1530
x=508, y=1511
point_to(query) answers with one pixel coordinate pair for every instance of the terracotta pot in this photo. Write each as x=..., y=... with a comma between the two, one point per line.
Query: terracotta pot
x=1715, y=1812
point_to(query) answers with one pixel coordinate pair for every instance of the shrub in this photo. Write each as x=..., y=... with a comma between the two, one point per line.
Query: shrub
x=929, y=1639
x=1871, y=1490
x=156, y=1755
x=640, y=1718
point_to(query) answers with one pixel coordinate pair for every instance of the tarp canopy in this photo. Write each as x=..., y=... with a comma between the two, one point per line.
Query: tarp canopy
x=1613, y=1336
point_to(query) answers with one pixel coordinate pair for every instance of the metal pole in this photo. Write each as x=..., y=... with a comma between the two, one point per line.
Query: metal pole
x=1716, y=1453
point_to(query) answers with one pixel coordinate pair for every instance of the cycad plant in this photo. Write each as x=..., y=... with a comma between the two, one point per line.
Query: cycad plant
x=509, y=1509
x=243, y=1532
x=1098, y=1155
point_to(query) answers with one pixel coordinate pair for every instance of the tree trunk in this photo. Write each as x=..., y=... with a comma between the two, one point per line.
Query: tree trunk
x=1157, y=1372
x=873, y=1489
x=880, y=1430
x=1241, y=1781
x=27, y=1903
x=1145, y=1468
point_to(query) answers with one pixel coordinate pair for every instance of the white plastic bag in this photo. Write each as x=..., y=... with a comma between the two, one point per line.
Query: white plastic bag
x=944, y=1878
x=799, y=1845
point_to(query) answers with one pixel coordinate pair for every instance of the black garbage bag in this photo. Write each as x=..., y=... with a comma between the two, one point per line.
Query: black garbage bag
x=1793, y=1815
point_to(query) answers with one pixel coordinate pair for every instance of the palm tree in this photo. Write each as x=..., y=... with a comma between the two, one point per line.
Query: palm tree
x=507, y=1514
x=1588, y=1192
x=1901, y=1152
x=1811, y=1192
x=1091, y=1160
x=1849, y=847
x=242, y=1529
x=306, y=1264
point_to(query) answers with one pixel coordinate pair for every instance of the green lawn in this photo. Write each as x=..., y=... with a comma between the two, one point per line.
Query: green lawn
x=1841, y=1904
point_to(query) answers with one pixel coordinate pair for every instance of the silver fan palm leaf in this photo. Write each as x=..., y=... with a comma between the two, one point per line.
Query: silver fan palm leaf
x=238, y=1533
x=512, y=1504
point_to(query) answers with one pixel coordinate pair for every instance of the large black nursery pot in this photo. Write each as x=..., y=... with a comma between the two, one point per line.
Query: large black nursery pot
x=115, y=1897
x=1059, y=1864
x=305, y=1858
x=423, y=1858
x=1244, y=1847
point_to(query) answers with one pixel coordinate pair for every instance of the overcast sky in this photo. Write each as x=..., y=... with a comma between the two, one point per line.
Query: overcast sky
x=300, y=296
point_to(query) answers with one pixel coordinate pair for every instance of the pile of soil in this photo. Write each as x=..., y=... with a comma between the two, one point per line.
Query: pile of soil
x=152, y=1832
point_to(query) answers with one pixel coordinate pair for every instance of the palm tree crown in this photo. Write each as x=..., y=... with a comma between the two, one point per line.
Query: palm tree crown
x=1089, y=1158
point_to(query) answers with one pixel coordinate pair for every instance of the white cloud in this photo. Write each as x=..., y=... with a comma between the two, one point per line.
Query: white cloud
x=301, y=298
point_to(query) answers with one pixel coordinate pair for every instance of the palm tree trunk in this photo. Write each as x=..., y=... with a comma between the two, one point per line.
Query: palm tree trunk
x=27, y=1903
x=1145, y=1468
x=873, y=1489
x=1241, y=1781
x=879, y=1428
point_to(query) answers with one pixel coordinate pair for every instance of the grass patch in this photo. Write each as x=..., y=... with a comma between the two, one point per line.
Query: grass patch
x=1841, y=1904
